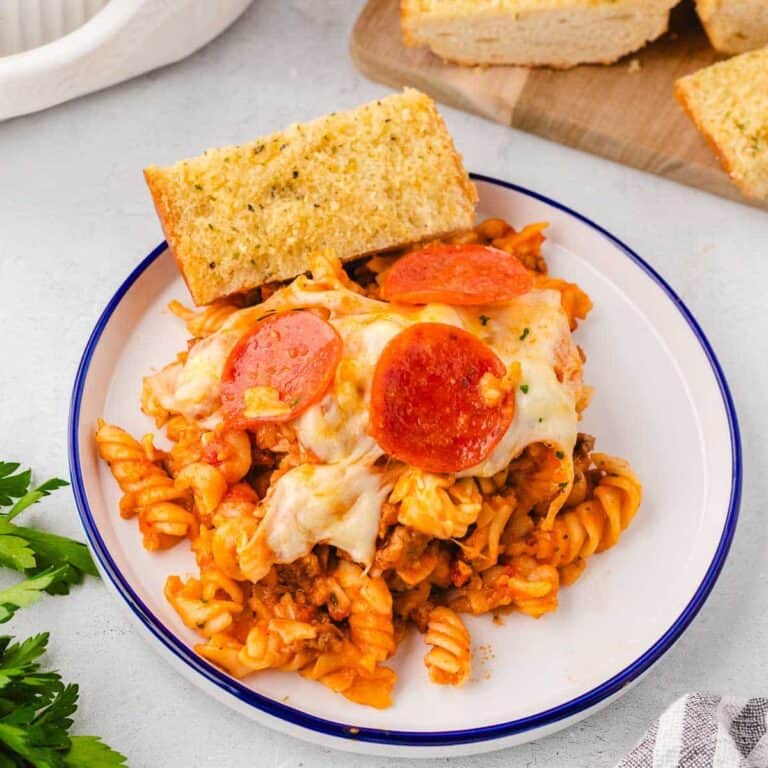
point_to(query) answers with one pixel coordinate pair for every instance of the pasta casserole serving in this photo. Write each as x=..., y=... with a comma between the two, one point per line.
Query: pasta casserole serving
x=372, y=445
x=352, y=455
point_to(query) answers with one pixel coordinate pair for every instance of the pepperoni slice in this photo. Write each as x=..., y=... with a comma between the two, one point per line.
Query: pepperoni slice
x=427, y=403
x=456, y=274
x=280, y=368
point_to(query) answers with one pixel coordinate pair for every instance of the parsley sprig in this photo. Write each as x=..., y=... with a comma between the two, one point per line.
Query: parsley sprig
x=36, y=707
x=36, y=710
x=51, y=563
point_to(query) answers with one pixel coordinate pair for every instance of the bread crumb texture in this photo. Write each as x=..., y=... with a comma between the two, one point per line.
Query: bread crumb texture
x=470, y=6
x=363, y=180
x=735, y=26
x=729, y=104
x=554, y=33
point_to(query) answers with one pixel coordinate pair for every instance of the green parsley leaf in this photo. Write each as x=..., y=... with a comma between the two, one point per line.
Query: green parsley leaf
x=524, y=389
x=19, y=741
x=50, y=724
x=16, y=554
x=29, y=591
x=18, y=660
x=36, y=711
x=30, y=550
x=33, y=496
x=525, y=332
x=92, y=752
x=49, y=549
x=560, y=455
x=12, y=486
x=36, y=708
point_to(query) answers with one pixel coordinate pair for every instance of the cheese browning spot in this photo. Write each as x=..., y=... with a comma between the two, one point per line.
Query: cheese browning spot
x=264, y=403
x=493, y=390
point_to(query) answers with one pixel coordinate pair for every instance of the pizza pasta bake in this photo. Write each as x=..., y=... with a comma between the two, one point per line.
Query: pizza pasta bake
x=374, y=444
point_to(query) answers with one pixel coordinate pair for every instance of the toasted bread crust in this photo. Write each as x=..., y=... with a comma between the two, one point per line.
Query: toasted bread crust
x=728, y=103
x=734, y=26
x=533, y=33
x=163, y=203
x=377, y=177
x=681, y=94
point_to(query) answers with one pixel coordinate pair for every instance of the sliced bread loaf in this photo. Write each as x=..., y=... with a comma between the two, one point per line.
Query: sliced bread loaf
x=729, y=104
x=735, y=26
x=368, y=179
x=554, y=33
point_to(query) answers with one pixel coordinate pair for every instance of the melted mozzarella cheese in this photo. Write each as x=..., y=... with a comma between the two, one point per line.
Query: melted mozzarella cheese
x=335, y=503
x=533, y=331
x=336, y=428
x=192, y=389
x=338, y=500
x=545, y=413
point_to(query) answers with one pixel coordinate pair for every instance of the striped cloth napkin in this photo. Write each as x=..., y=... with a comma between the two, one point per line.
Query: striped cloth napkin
x=702, y=731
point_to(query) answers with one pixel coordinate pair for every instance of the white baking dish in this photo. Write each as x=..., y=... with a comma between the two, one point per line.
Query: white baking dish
x=54, y=50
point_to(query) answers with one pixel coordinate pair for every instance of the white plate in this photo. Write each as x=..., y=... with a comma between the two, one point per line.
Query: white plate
x=661, y=401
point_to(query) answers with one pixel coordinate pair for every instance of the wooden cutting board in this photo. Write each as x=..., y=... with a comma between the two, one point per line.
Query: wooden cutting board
x=622, y=112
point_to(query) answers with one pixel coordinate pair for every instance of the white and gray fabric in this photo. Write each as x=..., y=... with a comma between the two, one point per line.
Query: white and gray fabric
x=703, y=731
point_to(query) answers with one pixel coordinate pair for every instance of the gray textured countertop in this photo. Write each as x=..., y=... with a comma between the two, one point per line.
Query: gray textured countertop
x=75, y=217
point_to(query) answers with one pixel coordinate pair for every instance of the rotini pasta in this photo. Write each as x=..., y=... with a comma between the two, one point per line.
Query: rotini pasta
x=437, y=505
x=449, y=662
x=521, y=583
x=197, y=603
x=207, y=320
x=316, y=548
x=370, y=613
x=591, y=526
x=481, y=547
x=342, y=671
x=148, y=490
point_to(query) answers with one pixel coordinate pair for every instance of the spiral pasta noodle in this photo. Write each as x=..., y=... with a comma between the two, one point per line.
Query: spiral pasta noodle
x=205, y=321
x=521, y=583
x=438, y=505
x=280, y=644
x=279, y=637
x=482, y=547
x=370, y=613
x=201, y=605
x=206, y=483
x=186, y=438
x=343, y=671
x=449, y=661
x=148, y=489
x=592, y=526
x=229, y=450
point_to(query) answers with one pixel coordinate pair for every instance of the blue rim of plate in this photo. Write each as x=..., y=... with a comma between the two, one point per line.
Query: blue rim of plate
x=412, y=738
